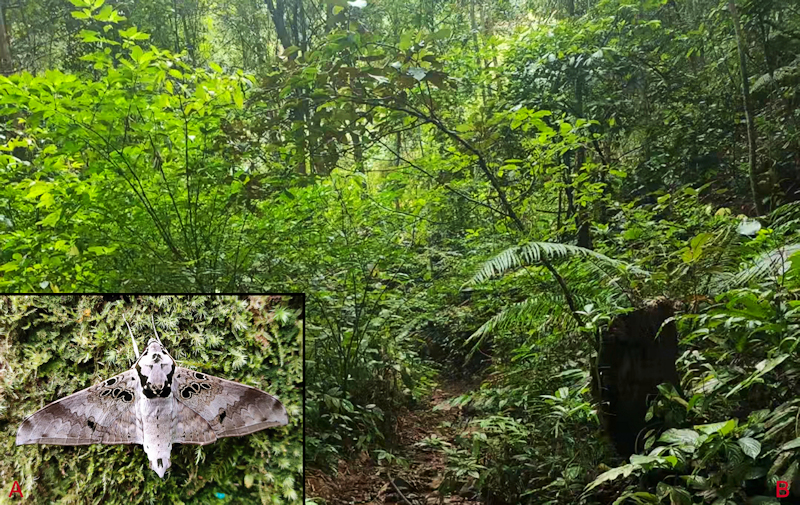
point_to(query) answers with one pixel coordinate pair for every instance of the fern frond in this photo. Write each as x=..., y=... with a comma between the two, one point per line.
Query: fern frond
x=521, y=314
x=773, y=263
x=786, y=217
x=534, y=252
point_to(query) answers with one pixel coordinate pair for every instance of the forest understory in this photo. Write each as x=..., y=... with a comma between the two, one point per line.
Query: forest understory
x=417, y=473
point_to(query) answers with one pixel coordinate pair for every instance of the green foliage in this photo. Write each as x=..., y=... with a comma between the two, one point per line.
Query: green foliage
x=56, y=345
x=131, y=158
x=462, y=188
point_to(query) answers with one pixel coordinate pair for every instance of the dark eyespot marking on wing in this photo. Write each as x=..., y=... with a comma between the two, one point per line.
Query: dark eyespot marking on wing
x=105, y=393
x=222, y=416
x=199, y=376
x=160, y=463
x=90, y=424
x=111, y=382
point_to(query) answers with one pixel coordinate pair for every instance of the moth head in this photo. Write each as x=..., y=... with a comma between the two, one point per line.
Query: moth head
x=154, y=352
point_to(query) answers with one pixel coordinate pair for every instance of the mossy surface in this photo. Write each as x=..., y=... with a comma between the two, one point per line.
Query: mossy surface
x=53, y=346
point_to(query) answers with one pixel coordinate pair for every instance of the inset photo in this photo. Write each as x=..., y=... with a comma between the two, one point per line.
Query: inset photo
x=152, y=399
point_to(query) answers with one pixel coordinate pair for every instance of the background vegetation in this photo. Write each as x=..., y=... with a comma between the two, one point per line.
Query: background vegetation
x=54, y=346
x=463, y=188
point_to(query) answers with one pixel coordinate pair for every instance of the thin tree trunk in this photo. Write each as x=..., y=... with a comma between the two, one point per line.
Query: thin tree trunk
x=748, y=113
x=398, y=145
x=5, y=46
x=276, y=10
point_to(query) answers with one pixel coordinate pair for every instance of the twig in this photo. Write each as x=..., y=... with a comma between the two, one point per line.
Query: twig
x=391, y=481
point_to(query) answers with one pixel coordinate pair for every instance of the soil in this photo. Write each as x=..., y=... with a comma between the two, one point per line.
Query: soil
x=362, y=481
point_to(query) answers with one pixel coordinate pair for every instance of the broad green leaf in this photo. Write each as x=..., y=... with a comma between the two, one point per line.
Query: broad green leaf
x=750, y=446
x=51, y=219
x=793, y=444
x=723, y=428
x=676, y=436
x=406, y=40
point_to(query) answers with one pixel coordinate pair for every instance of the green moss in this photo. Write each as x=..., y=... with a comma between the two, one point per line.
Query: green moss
x=52, y=346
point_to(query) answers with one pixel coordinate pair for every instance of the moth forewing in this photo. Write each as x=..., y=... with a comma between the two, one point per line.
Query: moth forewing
x=156, y=404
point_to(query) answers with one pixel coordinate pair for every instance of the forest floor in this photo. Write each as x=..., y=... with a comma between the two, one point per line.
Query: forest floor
x=363, y=482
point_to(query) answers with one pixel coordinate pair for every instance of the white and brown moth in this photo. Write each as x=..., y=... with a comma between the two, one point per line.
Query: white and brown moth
x=156, y=404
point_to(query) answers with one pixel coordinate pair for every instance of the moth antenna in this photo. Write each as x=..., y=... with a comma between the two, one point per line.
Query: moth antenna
x=154, y=328
x=135, y=347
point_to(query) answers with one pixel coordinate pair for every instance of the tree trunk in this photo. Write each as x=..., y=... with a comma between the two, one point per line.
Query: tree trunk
x=758, y=196
x=637, y=353
x=277, y=11
x=5, y=46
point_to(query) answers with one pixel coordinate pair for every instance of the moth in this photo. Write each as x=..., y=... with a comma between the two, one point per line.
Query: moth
x=155, y=404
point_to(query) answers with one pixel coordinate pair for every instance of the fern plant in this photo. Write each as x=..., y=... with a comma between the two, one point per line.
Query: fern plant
x=562, y=308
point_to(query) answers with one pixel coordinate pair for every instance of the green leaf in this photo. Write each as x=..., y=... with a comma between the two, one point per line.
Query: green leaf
x=406, y=40
x=136, y=54
x=216, y=68
x=750, y=446
x=248, y=480
x=100, y=250
x=337, y=9
x=444, y=33
x=79, y=15
x=788, y=446
x=51, y=219
x=723, y=428
x=614, y=473
x=38, y=188
x=676, y=436
x=108, y=15
x=80, y=3
x=128, y=33
x=89, y=36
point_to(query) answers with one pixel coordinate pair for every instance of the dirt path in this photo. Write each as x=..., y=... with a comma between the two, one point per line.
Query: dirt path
x=365, y=483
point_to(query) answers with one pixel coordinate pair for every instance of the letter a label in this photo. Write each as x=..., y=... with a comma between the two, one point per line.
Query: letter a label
x=15, y=489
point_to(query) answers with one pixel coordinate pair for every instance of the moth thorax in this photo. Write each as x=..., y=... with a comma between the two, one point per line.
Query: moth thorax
x=155, y=370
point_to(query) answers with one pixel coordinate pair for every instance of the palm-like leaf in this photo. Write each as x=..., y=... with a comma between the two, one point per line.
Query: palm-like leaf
x=772, y=263
x=786, y=218
x=534, y=252
x=523, y=314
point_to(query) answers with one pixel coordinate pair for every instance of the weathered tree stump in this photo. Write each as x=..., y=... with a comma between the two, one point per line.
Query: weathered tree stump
x=636, y=355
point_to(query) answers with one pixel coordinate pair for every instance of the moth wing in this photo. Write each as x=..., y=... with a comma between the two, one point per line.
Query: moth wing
x=101, y=414
x=230, y=408
x=191, y=428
